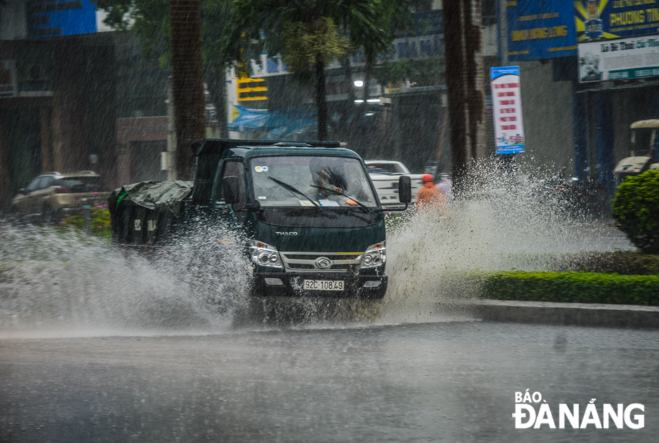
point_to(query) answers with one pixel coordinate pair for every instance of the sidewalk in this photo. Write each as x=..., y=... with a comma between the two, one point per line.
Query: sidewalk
x=581, y=314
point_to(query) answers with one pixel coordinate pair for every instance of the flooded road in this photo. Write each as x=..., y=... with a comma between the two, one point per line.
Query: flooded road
x=97, y=344
x=441, y=381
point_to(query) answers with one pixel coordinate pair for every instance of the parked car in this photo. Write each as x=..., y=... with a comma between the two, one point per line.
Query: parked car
x=384, y=174
x=387, y=166
x=51, y=195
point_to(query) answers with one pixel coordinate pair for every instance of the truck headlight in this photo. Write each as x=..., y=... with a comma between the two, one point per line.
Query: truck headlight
x=264, y=254
x=374, y=256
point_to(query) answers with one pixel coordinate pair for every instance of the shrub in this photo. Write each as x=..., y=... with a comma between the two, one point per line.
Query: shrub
x=636, y=210
x=574, y=287
x=100, y=221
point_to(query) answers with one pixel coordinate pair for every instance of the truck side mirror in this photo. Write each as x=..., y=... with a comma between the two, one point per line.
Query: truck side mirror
x=404, y=189
x=230, y=190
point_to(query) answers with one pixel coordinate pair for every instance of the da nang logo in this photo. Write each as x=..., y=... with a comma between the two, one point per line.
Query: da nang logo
x=532, y=411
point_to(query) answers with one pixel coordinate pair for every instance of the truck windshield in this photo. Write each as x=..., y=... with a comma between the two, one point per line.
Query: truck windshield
x=310, y=181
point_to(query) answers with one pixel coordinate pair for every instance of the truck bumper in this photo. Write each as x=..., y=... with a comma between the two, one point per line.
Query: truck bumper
x=290, y=284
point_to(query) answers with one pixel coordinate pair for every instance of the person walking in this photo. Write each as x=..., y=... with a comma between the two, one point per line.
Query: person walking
x=429, y=195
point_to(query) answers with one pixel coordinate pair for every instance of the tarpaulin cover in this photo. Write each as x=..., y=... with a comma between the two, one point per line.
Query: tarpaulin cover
x=279, y=123
x=161, y=195
x=248, y=120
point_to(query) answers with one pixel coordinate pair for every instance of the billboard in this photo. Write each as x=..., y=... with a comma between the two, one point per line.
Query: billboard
x=597, y=20
x=507, y=110
x=540, y=29
x=60, y=18
x=622, y=59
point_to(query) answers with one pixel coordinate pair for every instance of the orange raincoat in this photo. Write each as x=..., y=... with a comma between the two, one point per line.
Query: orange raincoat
x=429, y=196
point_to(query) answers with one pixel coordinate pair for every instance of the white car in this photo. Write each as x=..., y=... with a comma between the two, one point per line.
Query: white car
x=384, y=175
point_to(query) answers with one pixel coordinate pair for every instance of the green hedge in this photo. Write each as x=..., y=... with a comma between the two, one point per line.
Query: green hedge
x=576, y=287
x=636, y=210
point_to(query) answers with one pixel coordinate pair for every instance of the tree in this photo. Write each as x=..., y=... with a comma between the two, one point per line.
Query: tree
x=308, y=33
x=311, y=46
x=187, y=84
x=150, y=20
x=396, y=16
x=399, y=16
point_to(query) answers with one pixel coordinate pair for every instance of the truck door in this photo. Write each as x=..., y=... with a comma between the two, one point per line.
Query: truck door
x=233, y=169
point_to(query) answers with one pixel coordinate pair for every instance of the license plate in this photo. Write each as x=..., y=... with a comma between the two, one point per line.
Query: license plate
x=323, y=285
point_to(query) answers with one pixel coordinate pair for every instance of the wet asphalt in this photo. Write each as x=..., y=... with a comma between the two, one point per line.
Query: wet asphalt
x=441, y=381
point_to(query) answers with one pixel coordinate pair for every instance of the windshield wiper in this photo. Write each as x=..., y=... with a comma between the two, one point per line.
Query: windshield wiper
x=343, y=194
x=293, y=189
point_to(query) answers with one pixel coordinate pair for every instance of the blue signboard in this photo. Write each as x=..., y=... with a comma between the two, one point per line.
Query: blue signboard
x=60, y=18
x=611, y=19
x=540, y=29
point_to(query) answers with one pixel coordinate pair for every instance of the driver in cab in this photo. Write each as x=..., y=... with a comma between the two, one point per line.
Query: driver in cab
x=329, y=185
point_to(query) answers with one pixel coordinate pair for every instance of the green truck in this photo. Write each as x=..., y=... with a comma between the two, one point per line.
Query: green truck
x=309, y=215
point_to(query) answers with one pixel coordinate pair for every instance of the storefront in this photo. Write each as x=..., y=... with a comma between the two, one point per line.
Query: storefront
x=601, y=57
x=57, y=108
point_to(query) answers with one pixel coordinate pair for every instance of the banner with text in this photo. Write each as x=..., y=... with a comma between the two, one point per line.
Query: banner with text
x=507, y=110
x=622, y=59
x=597, y=20
x=538, y=30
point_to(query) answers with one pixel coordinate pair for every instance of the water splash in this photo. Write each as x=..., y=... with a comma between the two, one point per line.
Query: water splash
x=508, y=219
x=65, y=284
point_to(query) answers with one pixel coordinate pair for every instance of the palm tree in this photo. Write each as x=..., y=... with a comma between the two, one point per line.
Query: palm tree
x=309, y=34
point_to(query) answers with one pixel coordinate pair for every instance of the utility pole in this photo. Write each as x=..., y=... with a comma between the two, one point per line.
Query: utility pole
x=464, y=80
x=187, y=83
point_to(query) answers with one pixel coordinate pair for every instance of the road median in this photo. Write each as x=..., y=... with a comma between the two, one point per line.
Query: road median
x=579, y=314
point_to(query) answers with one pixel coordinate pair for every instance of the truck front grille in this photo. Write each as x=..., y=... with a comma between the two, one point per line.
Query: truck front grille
x=306, y=261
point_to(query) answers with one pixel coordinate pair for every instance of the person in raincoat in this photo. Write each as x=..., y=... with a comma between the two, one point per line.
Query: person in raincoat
x=429, y=196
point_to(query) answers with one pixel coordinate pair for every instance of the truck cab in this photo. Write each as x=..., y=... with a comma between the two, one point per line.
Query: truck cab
x=310, y=215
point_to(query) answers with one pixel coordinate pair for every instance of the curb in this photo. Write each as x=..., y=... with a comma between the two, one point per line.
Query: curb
x=576, y=314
